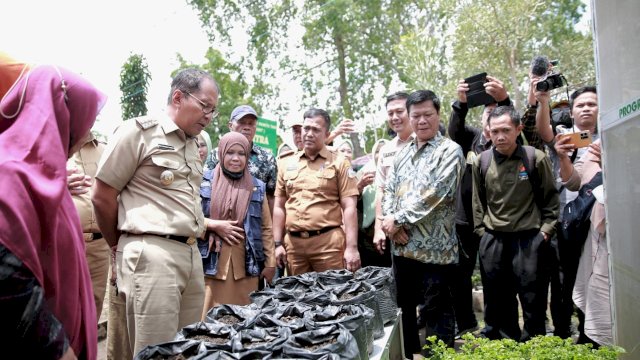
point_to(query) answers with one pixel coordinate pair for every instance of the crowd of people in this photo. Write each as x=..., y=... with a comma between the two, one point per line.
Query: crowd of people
x=186, y=225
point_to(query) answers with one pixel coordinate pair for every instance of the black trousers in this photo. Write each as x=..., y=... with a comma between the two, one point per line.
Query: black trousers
x=514, y=264
x=563, y=271
x=461, y=284
x=419, y=283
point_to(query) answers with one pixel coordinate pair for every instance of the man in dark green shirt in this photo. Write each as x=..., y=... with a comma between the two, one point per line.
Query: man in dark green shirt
x=515, y=208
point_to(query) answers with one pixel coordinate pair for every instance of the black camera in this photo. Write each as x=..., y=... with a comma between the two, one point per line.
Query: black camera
x=552, y=81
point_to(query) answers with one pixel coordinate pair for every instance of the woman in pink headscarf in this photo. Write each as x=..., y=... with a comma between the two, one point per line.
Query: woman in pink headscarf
x=46, y=301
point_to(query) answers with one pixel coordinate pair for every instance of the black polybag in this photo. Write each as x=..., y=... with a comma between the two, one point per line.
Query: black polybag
x=360, y=293
x=331, y=278
x=298, y=282
x=187, y=348
x=244, y=314
x=221, y=335
x=354, y=318
x=270, y=339
x=344, y=345
x=382, y=279
x=288, y=315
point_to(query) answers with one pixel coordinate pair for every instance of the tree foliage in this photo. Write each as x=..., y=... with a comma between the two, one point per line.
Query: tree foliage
x=134, y=82
x=349, y=52
x=346, y=45
x=499, y=37
x=234, y=90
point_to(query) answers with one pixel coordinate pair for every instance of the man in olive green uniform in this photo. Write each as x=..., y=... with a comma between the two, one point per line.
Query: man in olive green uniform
x=316, y=189
x=147, y=203
x=81, y=169
x=515, y=208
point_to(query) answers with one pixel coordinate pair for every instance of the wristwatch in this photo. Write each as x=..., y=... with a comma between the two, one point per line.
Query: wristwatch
x=278, y=243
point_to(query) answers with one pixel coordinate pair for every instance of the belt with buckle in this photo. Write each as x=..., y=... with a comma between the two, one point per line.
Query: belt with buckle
x=189, y=240
x=311, y=233
x=94, y=236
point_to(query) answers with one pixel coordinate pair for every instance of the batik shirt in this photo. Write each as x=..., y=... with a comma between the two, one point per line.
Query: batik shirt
x=262, y=165
x=420, y=194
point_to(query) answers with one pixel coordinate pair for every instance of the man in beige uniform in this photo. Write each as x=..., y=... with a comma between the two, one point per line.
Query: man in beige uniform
x=316, y=188
x=147, y=203
x=398, y=119
x=81, y=169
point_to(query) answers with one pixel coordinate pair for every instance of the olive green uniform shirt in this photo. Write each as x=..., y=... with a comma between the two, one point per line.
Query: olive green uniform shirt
x=510, y=203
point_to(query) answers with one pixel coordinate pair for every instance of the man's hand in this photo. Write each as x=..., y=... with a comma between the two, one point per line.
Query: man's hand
x=596, y=150
x=380, y=240
x=463, y=87
x=542, y=97
x=281, y=256
x=400, y=237
x=545, y=236
x=227, y=230
x=562, y=146
x=365, y=180
x=77, y=183
x=345, y=126
x=495, y=88
x=389, y=225
x=268, y=273
x=351, y=259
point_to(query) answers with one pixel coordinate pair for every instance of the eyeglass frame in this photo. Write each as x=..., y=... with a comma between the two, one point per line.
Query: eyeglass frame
x=214, y=111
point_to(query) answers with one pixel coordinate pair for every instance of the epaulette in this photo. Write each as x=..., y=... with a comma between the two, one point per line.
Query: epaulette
x=146, y=122
x=285, y=154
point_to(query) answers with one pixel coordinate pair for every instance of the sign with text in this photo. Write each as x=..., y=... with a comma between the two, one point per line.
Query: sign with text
x=266, y=135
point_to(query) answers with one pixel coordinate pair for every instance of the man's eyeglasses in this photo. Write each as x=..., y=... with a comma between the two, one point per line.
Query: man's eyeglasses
x=206, y=109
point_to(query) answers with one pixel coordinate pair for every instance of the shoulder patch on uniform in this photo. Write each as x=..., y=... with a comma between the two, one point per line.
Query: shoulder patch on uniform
x=146, y=122
x=285, y=154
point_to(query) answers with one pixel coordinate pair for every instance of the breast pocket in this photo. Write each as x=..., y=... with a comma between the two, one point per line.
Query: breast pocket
x=328, y=182
x=166, y=170
x=290, y=178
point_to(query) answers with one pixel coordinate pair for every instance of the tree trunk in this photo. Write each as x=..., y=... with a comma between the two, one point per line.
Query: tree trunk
x=344, y=96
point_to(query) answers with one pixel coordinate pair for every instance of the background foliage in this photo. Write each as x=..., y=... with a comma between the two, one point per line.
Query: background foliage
x=134, y=82
x=234, y=90
x=348, y=54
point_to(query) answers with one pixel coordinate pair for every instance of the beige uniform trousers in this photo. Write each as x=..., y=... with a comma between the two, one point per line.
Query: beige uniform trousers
x=163, y=286
x=97, y=253
x=317, y=253
x=118, y=347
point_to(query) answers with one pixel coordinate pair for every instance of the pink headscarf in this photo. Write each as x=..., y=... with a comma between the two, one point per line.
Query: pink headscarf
x=39, y=223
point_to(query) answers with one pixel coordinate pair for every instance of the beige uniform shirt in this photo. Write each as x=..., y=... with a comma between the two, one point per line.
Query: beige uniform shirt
x=385, y=159
x=86, y=161
x=313, y=189
x=158, y=171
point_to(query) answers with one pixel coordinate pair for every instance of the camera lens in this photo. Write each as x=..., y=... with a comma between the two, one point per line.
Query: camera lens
x=543, y=86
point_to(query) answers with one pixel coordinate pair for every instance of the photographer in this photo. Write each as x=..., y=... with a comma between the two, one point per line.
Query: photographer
x=583, y=107
x=473, y=140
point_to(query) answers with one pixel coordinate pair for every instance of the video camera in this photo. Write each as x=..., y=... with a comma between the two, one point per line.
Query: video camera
x=552, y=81
x=540, y=66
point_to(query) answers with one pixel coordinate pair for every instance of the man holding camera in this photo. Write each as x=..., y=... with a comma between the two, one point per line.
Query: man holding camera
x=583, y=107
x=473, y=141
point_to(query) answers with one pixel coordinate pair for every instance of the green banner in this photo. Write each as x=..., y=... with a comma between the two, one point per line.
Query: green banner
x=266, y=135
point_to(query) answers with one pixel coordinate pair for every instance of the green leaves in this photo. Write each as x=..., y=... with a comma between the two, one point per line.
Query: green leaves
x=134, y=81
x=538, y=348
x=234, y=89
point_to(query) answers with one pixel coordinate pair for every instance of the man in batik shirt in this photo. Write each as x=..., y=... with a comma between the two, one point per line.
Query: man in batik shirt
x=419, y=213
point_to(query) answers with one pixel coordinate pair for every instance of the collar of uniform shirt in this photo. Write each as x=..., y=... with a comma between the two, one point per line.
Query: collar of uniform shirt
x=500, y=158
x=324, y=153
